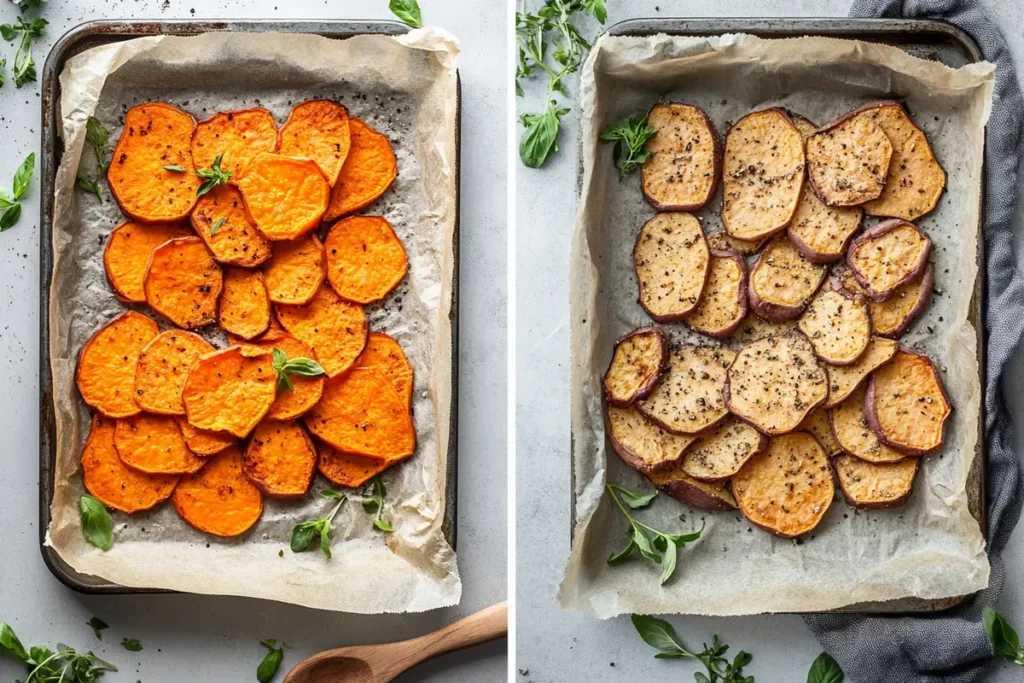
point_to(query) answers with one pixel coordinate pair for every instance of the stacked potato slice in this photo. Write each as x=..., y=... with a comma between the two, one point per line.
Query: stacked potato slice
x=216, y=429
x=813, y=389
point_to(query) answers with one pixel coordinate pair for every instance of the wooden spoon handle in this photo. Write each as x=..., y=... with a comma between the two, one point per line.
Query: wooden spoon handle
x=486, y=625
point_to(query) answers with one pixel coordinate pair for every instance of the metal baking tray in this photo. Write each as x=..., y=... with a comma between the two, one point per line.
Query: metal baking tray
x=93, y=34
x=930, y=39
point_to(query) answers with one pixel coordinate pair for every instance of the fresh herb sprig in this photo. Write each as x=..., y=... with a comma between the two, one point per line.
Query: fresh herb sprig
x=285, y=366
x=97, y=527
x=1005, y=640
x=408, y=11
x=10, y=207
x=44, y=665
x=23, y=67
x=304, y=532
x=825, y=670
x=630, y=136
x=213, y=176
x=272, y=660
x=375, y=505
x=96, y=135
x=660, y=548
x=661, y=636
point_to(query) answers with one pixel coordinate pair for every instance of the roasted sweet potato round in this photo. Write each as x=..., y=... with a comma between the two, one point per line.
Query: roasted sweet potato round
x=723, y=241
x=163, y=365
x=689, y=398
x=842, y=380
x=721, y=452
x=236, y=240
x=681, y=173
x=106, y=365
x=280, y=459
x=788, y=488
x=244, y=308
x=847, y=160
x=894, y=316
x=853, y=433
x=183, y=282
x=346, y=469
x=640, y=443
x=128, y=250
x=202, y=442
x=155, y=136
x=230, y=390
x=823, y=232
x=783, y=281
x=296, y=271
x=318, y=130
x=888, y=256
x=672, y=262
x=238, y=135
x=762, y=174
x=875, y=486
x=775, y=382
x=154, y=444
x=695, y=493
x=285, y=197
x=755, y=327
x=906, y=404
x=218, y=499
x=838, y=326
x=385, y=355
x=723, y=305
x=365, y=258
x=368, y=172
x=820, y=427
x=116, y=486
x=637, y=364
x=306, y=391
x=336, y=329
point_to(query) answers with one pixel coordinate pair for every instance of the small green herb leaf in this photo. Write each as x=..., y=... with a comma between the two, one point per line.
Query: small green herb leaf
x=216, y=226
x=96, y=135
x=175, y=169
x=630, y=137
x=371, y=505
x=214, y=176
x=303, y=367
x=596, y=9
x=541, y=137
x=303, y=534
x=325, y=540
x=89, y=185
x=668, y=562
x=1005, y=640
x=825, y=670
x=657, y=633
x=658, y=547
x=9, y=643
x=97, y=625
x=10, y=217
x=8, y=31
x=271, y=661
x=23, y=176
x=382, y=525
x=328, y=493
x=131, y=644
x=408, y=11
x=634, y=499
x=376, y=505
x=97, y=527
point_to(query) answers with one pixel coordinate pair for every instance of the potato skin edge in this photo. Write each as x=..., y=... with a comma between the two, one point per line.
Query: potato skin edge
x=647, y=387
x=886, y=505
x=688, y=494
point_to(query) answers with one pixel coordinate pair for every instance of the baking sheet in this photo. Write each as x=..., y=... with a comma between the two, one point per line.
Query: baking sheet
x=406, y=88
x=931, y=548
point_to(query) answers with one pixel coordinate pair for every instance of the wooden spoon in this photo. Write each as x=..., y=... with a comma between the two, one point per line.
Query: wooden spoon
x=381, y=663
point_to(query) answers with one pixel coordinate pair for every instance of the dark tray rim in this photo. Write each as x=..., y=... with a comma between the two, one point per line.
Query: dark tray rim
x=107, y=31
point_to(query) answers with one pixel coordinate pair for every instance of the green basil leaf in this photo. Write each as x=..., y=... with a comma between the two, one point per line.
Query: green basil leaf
x=23, y=175
x=1005, y=640
x=379, y=489
x=328, y=493
x=408, y=11
x=8, y=32
x=206, y=187
x=304, y=367
x=370, y=505
x=10, y=217
x=5, y=200
x=175, y=168
x=682, y=539
x=325, y=539
x=9, y=643
x=131, y=644
x=382, y=525
x=280, y=358
x=97, y=527
x=698, y=677
x=742, y=659
x=34, y=27
x=634, y=499
x=644, y=544
x=541, y=138
x=302, y=535
x=284, y=383
x=97, y=625
x=658, y=634
x=89, y=185
x=669, y=563
x=216, y=226
x=597, y=9
x=268, y=667
x=825, y=670
x=623, y=554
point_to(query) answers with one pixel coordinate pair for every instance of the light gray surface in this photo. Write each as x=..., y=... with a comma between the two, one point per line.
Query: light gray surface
x=553, y=645
x=189, y=638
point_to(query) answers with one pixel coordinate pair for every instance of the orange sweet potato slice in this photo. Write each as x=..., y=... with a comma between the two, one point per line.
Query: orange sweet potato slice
x=360, y=413
x=285, y=197
x=218, y=499
x=853, y=433
x=906, y=404
x=347, y=469
x=128, y=250
x=368, y=172
x=365, y=258
x=230, y=390
x=638, y=362
x=162, y=368
x=183, y=282
x=384, y=355
x=318, y=130
x=106, y=366
x=685, y=162
x=155, y=135
x=236, y=239
x=280, y=459
x=306, y=390
x=154, y=444
x=875, y=486
x=296, y=271
x=202, y=442
x=641, y=444
x=107, y=478
x=238, y=135
x=244, y=305
x=336, y=329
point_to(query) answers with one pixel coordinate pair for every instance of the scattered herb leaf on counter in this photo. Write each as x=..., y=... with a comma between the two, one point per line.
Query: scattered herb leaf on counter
x=825, y=670
x=661, y=636
x=66, y=665
x=23, y=67
x=214, y=176
x=408, y=11
x=97, y=527
x=303, y=367
x=629, y=136
x=272, y=661
x=1005, y=640
x=131, y=644
x=97, y=625
x=96, y=135
x=376, y=505
x=541, y=138
x=659, y=548
x=304, y=532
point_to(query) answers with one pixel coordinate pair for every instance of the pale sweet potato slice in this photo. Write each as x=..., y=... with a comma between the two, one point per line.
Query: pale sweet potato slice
x=219, y=500
x=847, y=160
x=244, y=308
x=722, y=451
x=385, y=355
x=762, y=174
x=183, y=282
x=106, y=365
x=280, y=459
x=894, y=316
x=887, y=256
x=163, y=365
x=783, y=281
x=821, y=232
x=875, y=486
x=854, y=435
x=360, y=413
x=116, y=486
x=237, y=135
x=842, y=380
x=755, y=327
x=306, y=391
x=155, y=136
x=906, y=404
x=236, y=240
x=347, y=469
x=685, y=162
x=318, y=130
x=723, y=241
x=640, y=443
x=820, y=427
x=838, y=326
x=230, y=390
x=336, y=329
x=637, y=364
x=672, y=262
x=296, y=271
x=368, y=172
x=704, y=495
x=202, y=442
x=788, y=488
x=915, y=180
x=285, y=197
x=723, y=305
x=689, y=397
x=365, y=258
x=128, y=250
x=775, y=382
x=154, y=444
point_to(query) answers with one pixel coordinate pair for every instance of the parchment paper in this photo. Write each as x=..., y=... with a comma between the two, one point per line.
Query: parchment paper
x=931, y=547
x=405, y=87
